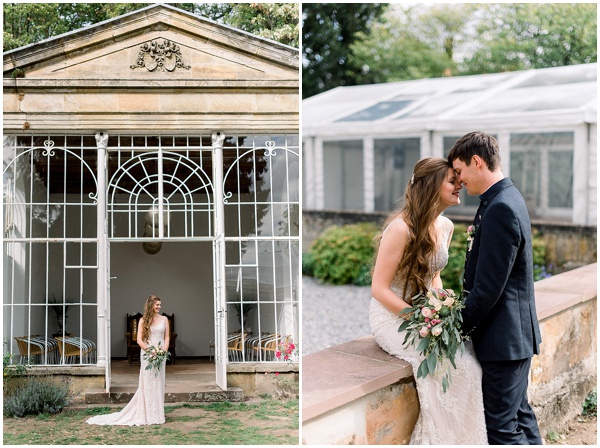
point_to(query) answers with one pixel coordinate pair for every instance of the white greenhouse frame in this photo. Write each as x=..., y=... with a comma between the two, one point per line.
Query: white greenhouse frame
x=254, y=231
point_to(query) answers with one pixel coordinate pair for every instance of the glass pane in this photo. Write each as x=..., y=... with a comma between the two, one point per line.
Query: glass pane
x=525, y=174
x=560, y=179
x=343, y=176
x=394, y=161
x=542, y=169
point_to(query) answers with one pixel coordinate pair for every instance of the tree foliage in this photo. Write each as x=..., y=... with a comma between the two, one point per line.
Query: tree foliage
x=412, y=41
x=532, y=35
x=26, y=23
x=276, y=21
x=328, y=32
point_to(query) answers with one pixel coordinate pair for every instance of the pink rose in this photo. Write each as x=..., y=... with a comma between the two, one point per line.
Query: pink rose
x=424, y=331
x=437, y=330
x=427, y=312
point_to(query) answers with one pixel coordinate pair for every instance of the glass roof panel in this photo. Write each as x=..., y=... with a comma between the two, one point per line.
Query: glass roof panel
x=557, y=76
x=568, y=96
x=438, y=105
x=377, y=111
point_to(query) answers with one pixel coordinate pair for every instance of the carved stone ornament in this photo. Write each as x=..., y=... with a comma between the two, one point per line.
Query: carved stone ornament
x=165, y=56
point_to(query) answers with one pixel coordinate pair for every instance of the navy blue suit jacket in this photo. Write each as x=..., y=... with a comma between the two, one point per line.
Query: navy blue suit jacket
x=499, y=312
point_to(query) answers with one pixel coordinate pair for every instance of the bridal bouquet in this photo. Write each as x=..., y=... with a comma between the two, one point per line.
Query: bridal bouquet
x=433, y=322
x=155, y=357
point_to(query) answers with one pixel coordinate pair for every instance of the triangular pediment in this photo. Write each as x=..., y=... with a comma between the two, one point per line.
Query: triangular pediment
x=158, y=43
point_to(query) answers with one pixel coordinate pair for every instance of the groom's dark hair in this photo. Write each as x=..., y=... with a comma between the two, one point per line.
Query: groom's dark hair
x=476, y=143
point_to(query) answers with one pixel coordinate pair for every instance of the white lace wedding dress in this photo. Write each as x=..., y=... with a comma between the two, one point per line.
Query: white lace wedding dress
x=454, y=417
x=147, y=407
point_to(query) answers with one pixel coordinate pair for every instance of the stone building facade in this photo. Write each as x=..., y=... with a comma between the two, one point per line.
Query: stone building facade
x=154, y=153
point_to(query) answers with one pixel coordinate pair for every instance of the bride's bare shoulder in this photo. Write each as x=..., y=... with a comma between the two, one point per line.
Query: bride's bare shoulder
x=397, y=227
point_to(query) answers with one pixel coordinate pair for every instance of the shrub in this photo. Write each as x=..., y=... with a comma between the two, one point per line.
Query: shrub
x=36, y=396
x=308, y=264
x=452, y=274
x=590, y=405
x=12, y=374
x=540, y=270
x=343, y=255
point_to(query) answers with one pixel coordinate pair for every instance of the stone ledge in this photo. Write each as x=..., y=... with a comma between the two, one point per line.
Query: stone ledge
x=70, y=370
x=262, y=367
x=346, y=372
x=339, y=375
x=562, y=291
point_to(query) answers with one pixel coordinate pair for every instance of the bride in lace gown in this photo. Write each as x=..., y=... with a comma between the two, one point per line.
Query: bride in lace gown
x=412, y=251
x=147, y=407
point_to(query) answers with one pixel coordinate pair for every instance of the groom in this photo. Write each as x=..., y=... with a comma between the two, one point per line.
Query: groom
x=499, y=313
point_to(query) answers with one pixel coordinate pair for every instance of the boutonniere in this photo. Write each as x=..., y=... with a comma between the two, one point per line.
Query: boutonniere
x=471, y=235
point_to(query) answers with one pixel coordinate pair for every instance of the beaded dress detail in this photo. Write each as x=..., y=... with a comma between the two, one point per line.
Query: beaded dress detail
x=454, y=417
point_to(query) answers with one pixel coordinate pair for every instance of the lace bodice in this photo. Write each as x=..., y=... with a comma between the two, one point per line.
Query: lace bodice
x=157, y=334
x=438, y=262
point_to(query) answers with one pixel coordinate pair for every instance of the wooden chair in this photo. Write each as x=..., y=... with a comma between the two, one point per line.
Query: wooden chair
x=33, y=348
x=235, y=346
x=72, y=347
x=173, y=336
x=133, y=349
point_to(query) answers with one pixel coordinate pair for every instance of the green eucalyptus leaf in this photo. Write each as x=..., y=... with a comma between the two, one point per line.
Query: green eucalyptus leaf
x=431, y=362
x=423, y=344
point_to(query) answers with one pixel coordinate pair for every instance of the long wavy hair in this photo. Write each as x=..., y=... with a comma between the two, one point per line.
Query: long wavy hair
x=148, y=316
x=419, y=212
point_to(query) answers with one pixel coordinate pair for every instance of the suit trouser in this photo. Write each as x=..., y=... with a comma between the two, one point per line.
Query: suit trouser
x=508, y=416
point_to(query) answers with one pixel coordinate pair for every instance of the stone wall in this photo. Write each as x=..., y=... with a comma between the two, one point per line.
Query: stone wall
x=568, y=246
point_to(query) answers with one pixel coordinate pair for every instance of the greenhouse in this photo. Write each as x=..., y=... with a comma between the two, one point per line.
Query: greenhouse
x=361, y=142
x=153, y=153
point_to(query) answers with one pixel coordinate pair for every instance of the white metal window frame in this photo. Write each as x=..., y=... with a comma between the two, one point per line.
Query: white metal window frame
x=262, y=345
x=542, y=208
x=18, y=231
x=103, y=324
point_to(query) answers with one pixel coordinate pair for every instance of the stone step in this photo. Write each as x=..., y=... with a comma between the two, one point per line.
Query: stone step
x=208, y=394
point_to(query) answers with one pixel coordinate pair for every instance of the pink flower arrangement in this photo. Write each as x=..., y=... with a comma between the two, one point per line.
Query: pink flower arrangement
x=433, y=322
x=288, y=351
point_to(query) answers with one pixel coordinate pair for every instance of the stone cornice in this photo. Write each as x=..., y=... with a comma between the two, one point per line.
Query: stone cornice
x=11, y=84
x=171, y=122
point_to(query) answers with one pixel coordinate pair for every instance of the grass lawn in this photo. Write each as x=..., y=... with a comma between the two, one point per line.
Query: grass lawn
x=262, y=421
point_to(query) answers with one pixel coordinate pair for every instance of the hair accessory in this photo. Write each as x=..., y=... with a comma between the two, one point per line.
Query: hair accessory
x=412, y=179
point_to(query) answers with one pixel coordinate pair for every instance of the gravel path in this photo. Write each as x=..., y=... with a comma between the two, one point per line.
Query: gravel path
x=332, y=314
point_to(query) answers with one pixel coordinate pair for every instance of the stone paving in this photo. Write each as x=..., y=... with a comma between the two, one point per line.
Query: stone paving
x=332, y=315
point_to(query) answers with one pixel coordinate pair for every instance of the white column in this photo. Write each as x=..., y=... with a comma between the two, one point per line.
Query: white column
x=308, y=173
x=592, y=175
x=581, y=159
x=504, y=145
x=319, y=174
x=219, y=263
x=369, y=174
x=102, y=308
